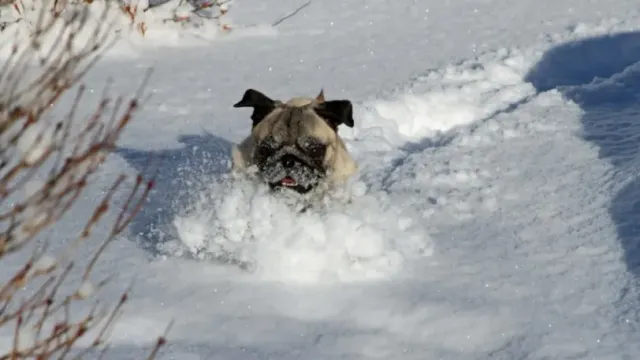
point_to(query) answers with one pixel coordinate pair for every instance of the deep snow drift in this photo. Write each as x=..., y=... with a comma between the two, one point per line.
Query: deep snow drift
x=485, y=221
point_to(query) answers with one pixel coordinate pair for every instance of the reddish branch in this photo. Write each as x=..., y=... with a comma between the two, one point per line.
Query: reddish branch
x=67, y=153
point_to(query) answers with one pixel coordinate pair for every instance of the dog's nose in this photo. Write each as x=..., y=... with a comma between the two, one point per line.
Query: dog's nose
x=288, y=161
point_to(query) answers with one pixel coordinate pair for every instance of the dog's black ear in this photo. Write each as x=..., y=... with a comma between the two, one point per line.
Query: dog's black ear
x=336, y=112
x=261, y=104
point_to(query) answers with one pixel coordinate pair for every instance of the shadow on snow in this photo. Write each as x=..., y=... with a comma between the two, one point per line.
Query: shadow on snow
x=602, y=75
x=179, y=175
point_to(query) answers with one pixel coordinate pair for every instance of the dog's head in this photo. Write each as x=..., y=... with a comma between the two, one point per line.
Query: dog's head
x=295, y=143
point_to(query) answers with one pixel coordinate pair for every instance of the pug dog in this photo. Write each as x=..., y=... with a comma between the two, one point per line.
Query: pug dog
x=295, y=144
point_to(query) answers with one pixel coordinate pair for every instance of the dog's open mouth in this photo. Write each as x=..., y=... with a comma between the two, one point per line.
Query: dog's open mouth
x=291, y=184
x=288, y=181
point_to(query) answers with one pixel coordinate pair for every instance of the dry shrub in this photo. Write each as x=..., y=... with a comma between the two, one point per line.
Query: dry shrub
x=46, y=164
x=138, y=15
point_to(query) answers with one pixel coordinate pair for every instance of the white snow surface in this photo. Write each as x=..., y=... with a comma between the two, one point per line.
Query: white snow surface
x=491, y=217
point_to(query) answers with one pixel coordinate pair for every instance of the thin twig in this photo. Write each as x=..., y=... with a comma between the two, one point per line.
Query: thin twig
x=291, y=14
x=71, y=151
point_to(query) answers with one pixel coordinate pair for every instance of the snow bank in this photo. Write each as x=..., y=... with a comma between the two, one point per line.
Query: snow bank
x=350, y=235
x=447, y=99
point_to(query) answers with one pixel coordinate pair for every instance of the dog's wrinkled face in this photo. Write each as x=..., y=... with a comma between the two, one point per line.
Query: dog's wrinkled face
x=295, y=144
x=292, y=163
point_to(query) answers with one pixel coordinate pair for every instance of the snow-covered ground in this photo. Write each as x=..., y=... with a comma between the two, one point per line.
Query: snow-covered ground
x=494, y=215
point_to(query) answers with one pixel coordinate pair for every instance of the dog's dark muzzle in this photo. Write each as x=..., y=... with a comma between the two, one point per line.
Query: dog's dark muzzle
x=292, y=172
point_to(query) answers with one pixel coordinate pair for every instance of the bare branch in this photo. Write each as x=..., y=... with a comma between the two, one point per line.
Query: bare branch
x=46, y=164
x=291, y=14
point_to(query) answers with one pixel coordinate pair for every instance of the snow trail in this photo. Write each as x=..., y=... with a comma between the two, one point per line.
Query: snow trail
x=483, y=224
x=515, y=249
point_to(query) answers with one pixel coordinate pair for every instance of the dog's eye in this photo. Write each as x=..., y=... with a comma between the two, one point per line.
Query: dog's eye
x=267, y=147
x=315, y=149
x=264, y=149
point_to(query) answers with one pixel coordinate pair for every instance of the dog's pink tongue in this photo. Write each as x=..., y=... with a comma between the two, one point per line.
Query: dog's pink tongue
x=288, y=181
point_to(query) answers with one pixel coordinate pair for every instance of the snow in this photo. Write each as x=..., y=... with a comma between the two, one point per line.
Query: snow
x=368, y=237
x=35, y=142
x=44, y=263
x=25, y=339
x=85, y=290
x=494, y=214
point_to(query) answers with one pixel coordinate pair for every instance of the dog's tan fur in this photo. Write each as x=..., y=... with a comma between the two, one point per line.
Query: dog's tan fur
x=292, y=121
